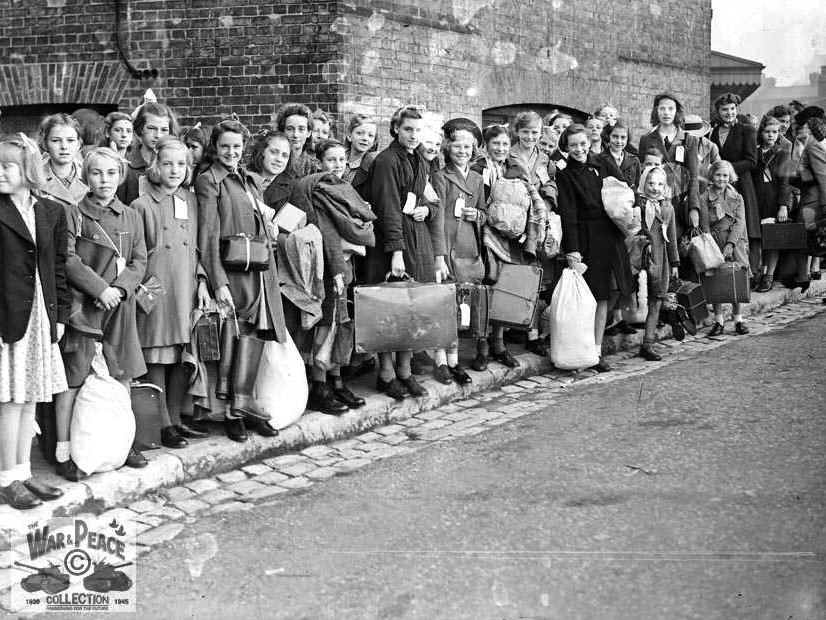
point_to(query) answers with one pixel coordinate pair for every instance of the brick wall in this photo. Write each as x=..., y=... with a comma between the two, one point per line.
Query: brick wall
x=455, y=56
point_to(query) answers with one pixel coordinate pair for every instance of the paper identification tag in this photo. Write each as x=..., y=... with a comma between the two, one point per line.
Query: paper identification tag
x=120, y=264
x=561, y=164
x=679, y=154
x=459, y=207
x=767, y=175
x=486, y=176
x=464, y=316
x=180, y=209
x=409, y=204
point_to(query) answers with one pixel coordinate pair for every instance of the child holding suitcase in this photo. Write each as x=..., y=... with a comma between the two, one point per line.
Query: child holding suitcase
x=727, y=223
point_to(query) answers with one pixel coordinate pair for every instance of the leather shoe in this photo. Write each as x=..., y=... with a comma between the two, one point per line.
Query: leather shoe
x=537, y=347
x=647, y=352
x=44, y=491
x=480, y=363
x=344, y=395
x=392, y=388
x=349, y=372
x=603, y=366
x=185, y=430
x=70, y=471
x=135, y=459
x=420, y=362
x=442, y=374
x=765, y=285
x=505, y=358
x=715, y=330
x=741, y=329
x=413, y=387
x=262, y=427
x=459, y=375
x=18, y=496
x=322, y=399
x=171, y=439
x=685, y=320
x=235, y=429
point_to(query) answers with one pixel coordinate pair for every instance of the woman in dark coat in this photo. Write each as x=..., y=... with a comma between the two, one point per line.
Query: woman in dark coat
x=409, y=234
x=771, y=184
x=738, y=146
x=588, y=233
x=228, y=204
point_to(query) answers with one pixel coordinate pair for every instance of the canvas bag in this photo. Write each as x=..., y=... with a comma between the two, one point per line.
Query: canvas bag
x=618, y=200
x=281, y=388
x=508, y=207
x=705, y=253
x=103, y=426
x=573, y=309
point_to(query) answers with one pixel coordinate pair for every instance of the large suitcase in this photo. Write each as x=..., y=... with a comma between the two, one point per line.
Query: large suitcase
x=514, y=296
x=404, y=316
x=727, y=284
x=786, y=236
x=146, y=405
x=473, y=302
x=690, y=296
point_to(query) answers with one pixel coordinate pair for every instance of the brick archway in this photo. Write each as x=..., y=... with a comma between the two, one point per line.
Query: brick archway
x=102, y=82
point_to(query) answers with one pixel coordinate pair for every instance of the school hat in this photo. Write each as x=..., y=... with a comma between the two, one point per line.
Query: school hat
x=808, y=112
x=464, y=123
x=694, y=125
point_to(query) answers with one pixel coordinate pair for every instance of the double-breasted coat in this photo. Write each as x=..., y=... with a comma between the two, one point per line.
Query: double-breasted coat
x=20, y=255
x=727, y=221
x=681, y=163
x=627, y=170
x=463, y=238
x=226, y=207
x=120, y=226
x=587, y=229
x=171, y=231
x=394, y=174
x=770, y=178
x=740, y=150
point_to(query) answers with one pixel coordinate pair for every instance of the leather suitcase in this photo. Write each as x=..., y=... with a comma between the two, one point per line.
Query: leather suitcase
x=476, y=299
x=514, y=296
x=690, y=296
x=405, y=316
x=208, y=330
x=727, y=284
x=786, y=236
x=146, y=406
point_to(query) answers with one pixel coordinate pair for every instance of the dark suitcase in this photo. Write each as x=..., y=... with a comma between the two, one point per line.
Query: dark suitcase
x=514, y=296
x=473, y=302
x=786, y=236
x=208, y=329
x=690, y=296
x=146, y=406
x=405, y=316
x=727, y=284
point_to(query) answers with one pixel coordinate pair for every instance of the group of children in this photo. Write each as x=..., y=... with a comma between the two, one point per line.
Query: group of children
x=111, y=250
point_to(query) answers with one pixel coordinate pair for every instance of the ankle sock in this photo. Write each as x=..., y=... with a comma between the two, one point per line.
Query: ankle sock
x=23, y=471
x=738, y=318
x=453, y=359
x=8, y=476
x=720, y=318
x=63, y=451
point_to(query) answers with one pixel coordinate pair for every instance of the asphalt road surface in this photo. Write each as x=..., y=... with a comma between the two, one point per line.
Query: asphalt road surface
x=694, y=491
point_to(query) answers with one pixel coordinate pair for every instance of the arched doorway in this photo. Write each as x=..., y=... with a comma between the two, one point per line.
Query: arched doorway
x=505, y=114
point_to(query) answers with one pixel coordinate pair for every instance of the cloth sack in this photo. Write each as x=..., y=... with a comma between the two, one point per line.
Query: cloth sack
x=103, y=426
x=637, y=311
x=573, y=309
x=618, y=200
x=281, y=388
x=508, y=207
x=705, y=253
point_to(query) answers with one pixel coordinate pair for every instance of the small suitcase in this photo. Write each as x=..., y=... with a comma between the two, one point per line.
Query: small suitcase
x=208, y=330
x=786, y=236
x=690, y=296
x=146, y=406
x=727, y=284
x=404, y=316
x=514, y=296
x=473, y=301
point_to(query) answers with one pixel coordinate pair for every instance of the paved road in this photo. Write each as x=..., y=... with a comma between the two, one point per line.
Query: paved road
x=693, y=491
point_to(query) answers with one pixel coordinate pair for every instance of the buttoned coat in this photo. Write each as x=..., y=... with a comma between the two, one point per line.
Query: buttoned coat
x=463, y=238
x=773, y=165
x=812, y=171
x=587, y=229
x=129, y=189
x=740, y=150
x=54, y=187
x=172, y=257
x=628, y=170
x=20, y=255
x=225, y=208
x=121, y=345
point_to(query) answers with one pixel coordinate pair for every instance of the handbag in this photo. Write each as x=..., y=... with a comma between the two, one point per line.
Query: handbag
x=705, y=253
x=245, y=252
x=149, y=293
x=466, y=268
x=85, y=318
